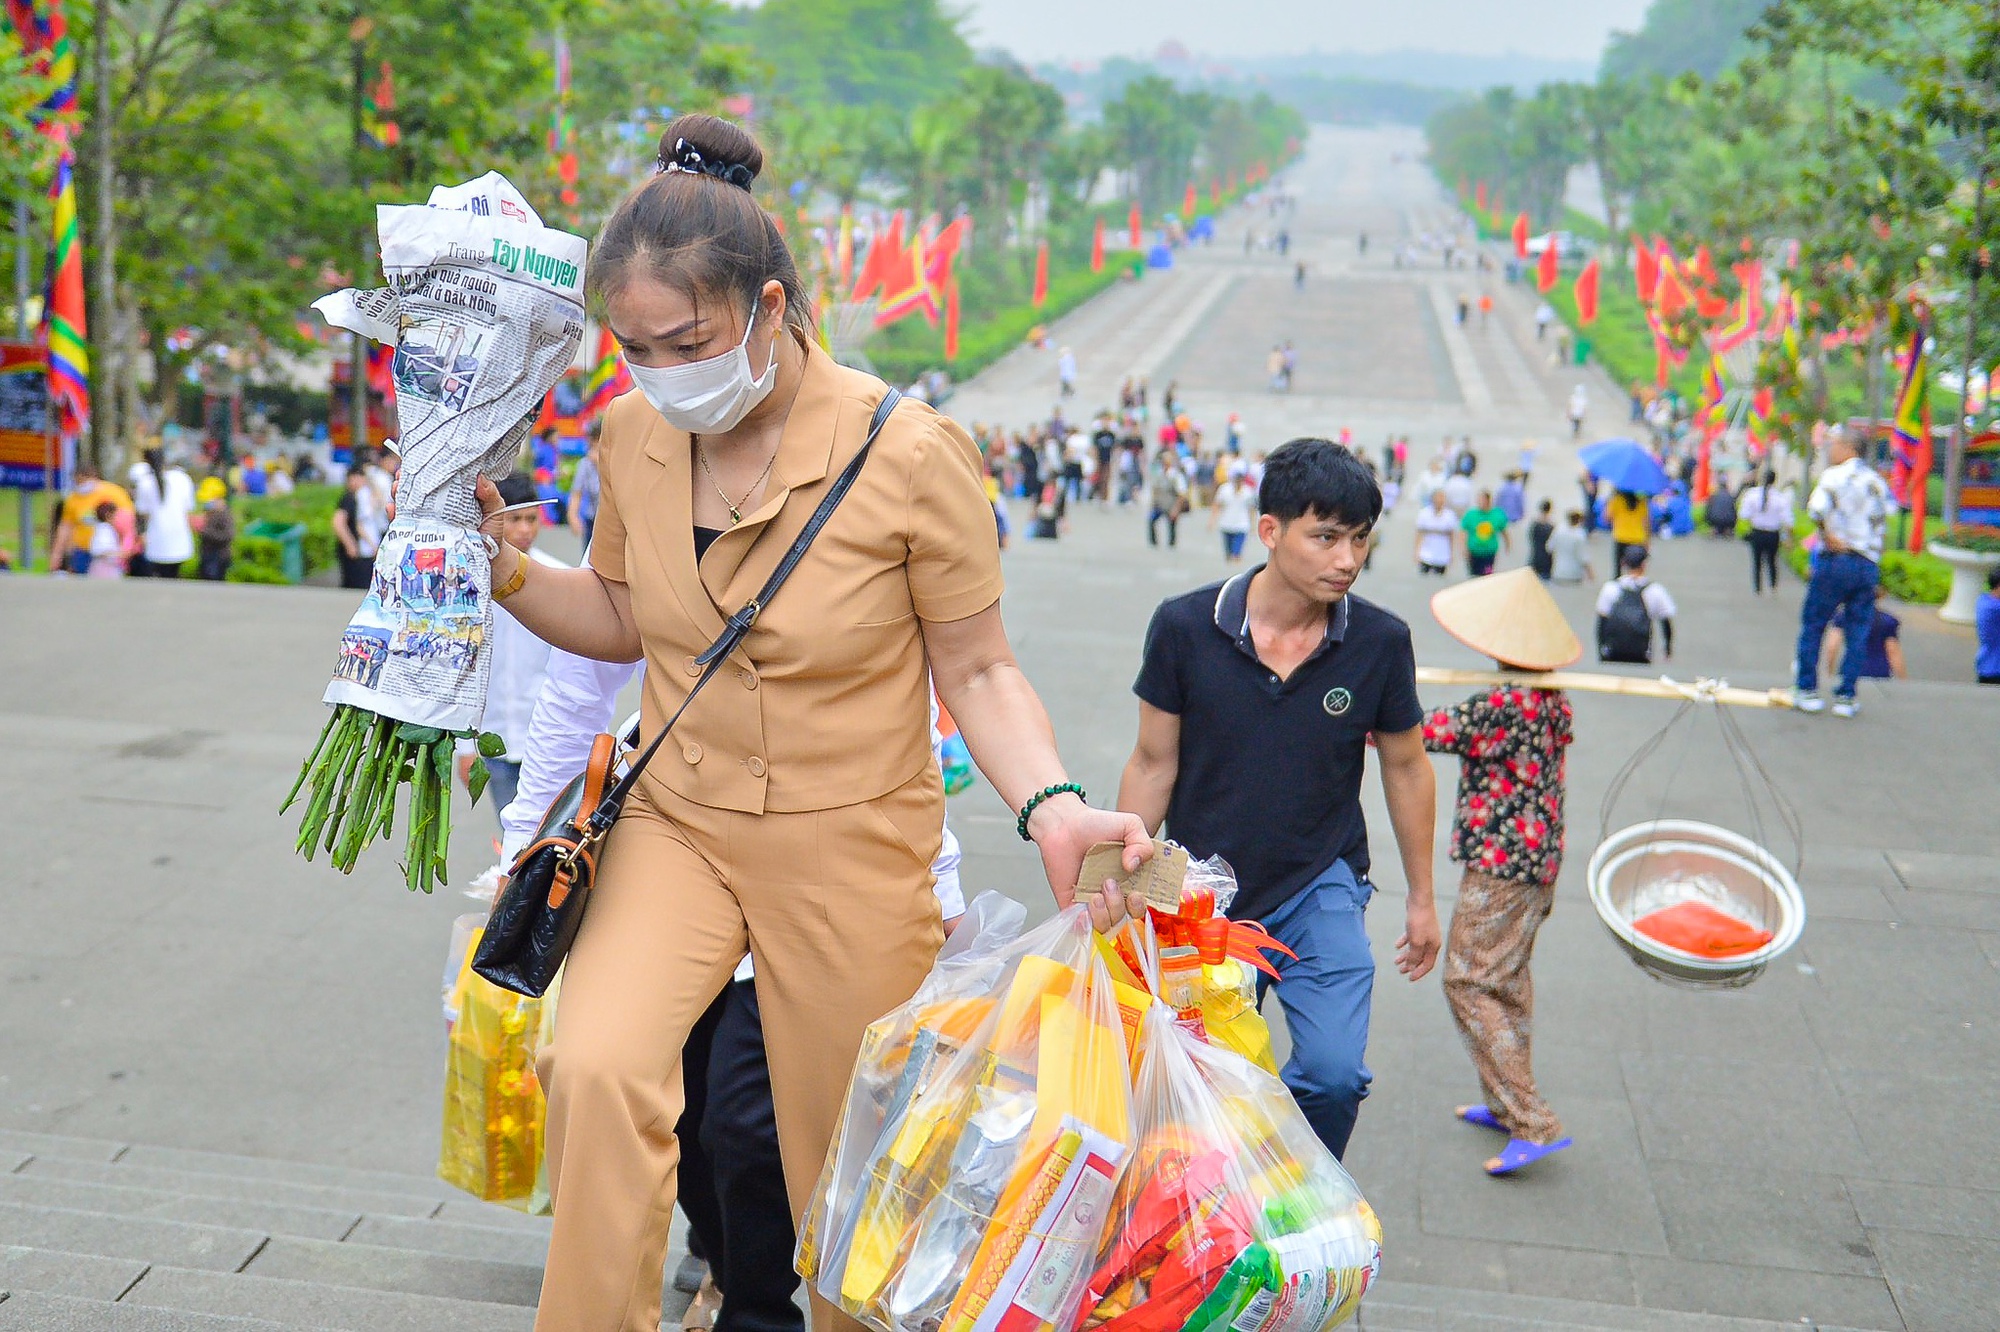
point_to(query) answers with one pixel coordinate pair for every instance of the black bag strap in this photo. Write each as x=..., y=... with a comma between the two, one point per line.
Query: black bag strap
x=738, y=625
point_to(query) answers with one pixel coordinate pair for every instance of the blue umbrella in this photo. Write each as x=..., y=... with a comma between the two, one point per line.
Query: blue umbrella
x=1625, y=465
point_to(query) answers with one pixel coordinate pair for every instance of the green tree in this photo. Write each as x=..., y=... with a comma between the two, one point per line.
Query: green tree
x=1154, y=130
x=877, y=53
x=1702, y=37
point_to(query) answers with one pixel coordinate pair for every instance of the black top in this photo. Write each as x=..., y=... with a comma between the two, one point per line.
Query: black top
x=1539, y=557
x=1270, y=770
x=704, y=537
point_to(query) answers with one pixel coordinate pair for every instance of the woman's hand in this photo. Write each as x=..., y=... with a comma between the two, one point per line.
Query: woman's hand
x=1064, y=829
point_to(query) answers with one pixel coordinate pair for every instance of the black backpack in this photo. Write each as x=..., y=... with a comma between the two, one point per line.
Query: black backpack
x=1626, y=633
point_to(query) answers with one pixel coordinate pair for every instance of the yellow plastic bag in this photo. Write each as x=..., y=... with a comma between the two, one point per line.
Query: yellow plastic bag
x=986, y=1126
x=494, y=1110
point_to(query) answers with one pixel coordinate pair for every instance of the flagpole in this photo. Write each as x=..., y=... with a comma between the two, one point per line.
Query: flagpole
x=103, y=412
x=357, y=390
x=22, y=333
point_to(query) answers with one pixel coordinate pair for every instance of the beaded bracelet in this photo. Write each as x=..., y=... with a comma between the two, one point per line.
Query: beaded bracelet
x=1060, y=788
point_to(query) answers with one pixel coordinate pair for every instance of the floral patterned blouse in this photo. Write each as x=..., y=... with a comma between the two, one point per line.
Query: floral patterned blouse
x=1511, y=742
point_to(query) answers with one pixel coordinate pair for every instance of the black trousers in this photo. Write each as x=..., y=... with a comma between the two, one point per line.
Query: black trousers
x=732, y=1182
x=1763, y=558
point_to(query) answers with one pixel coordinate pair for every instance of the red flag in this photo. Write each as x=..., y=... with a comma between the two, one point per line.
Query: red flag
x=1479, y=195
x=1097, y=247
x=1214, y=191
x=1138, y=230
x=1520, y=235
x=883, y=252
x=1546, y=271
x=1041, y=275
x=1187, y=204
x=1645, y=270
x=1920, y=485
x=951, y=321
x=1704, y=480
x=1586, y=294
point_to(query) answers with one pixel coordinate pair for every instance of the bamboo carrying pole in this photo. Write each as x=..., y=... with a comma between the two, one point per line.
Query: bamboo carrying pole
x=1631, y=686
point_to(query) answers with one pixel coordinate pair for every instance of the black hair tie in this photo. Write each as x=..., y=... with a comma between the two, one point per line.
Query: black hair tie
x=686, y=157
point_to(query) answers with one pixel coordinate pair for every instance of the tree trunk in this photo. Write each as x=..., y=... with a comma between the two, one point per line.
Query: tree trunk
x=1954, y=455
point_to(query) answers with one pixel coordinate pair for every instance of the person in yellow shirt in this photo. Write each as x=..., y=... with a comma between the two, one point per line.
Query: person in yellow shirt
x=71, y=549
x=1631, y=524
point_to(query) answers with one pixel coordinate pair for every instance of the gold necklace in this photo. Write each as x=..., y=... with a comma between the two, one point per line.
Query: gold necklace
x=735, y=513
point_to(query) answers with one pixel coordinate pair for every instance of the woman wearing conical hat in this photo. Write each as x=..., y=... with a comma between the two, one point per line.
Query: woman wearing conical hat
x=1507, y=833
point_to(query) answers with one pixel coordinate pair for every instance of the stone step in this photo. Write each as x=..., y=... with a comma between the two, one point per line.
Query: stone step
x=198, y=1184
x=523, y=1247
x=28, y=1311
x=348, y=1308
x=52, y=1272
x=225, y=1164
x=405, y=1271
x=161, y=1204
x=1395, y=1306
x=143, y=1239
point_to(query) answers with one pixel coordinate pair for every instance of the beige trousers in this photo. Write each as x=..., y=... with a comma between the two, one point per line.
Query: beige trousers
x=1492, y=995
x=835, y=906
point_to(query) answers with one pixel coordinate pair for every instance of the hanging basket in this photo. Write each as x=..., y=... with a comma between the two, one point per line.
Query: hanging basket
x=1665, y=862
x=1633, y=868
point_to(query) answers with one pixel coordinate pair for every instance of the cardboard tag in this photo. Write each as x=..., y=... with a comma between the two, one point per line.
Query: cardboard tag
x=1159, y=880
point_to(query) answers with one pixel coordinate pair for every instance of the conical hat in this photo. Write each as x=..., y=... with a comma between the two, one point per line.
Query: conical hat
x=1510, y=617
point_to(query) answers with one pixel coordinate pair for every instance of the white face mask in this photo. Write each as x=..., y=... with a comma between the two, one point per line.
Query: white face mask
x=710, y=396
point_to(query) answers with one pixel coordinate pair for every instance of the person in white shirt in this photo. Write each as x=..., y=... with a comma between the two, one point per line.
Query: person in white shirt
x=1628, y=607
x=1579, y=407
x=1234, y=512
x=1568, y=562
x=1431, y=481
x=1851, y=505
x=164, y=497
x=1066, y=371
x=1458, y=491
x=518, y=661
x=1437, y=535
x=1767, y=507
x=732, y=1180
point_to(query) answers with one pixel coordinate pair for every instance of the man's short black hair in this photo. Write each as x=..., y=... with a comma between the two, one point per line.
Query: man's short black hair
x=515, y=488
x=1318, y=476
x=1634, y=558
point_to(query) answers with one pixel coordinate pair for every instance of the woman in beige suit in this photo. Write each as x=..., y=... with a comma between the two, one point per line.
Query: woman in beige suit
x=795, y=811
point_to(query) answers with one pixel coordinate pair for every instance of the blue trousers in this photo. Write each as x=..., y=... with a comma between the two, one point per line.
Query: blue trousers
x=1326, y=995
x=1843, y=590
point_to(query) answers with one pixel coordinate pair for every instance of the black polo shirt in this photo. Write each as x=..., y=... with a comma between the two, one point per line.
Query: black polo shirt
x=1270, y=770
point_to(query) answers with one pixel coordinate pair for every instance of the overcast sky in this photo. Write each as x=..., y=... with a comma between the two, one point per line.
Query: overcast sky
x=1093, y=29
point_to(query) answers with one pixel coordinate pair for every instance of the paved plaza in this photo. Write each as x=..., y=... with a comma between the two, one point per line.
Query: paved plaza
x=1817, y=1149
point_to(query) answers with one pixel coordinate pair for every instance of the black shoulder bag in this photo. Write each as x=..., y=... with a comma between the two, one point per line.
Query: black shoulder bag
x=537, y=914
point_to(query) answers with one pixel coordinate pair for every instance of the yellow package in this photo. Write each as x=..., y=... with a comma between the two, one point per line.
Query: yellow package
x=493, y=1106
x=1229, y=1012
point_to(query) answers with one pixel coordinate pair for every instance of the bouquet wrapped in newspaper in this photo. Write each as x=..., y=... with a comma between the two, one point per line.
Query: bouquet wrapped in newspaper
x=484, y=306
x=986, y=1127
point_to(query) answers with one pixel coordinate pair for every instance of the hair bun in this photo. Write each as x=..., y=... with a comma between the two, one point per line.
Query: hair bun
x=709, y=145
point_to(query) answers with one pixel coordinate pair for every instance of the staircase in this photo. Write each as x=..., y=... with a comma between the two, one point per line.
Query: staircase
x=99, y=1236
x=111, y=1237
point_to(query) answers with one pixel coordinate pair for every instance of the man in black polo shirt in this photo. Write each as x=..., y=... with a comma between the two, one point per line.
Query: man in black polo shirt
x=1257, y=699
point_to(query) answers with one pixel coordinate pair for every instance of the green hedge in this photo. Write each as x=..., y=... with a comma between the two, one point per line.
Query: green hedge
x=910, y=347
x=256, y=560
x=311, y=506
x=1920, y=580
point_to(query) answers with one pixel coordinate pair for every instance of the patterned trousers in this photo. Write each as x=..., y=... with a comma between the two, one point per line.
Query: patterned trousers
x=1492, y=995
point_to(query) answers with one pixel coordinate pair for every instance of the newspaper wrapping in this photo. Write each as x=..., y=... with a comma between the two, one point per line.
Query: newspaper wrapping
x=484, y=307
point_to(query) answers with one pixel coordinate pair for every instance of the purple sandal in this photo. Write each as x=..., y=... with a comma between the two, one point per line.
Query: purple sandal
x=1480, y=1116
x=1519, y=1154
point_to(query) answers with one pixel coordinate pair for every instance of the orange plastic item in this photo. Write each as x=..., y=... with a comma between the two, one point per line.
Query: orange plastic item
x=1698, y=928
